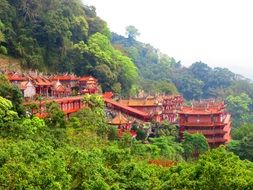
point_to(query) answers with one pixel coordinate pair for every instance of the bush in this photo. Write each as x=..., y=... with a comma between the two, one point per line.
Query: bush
x=3, y=50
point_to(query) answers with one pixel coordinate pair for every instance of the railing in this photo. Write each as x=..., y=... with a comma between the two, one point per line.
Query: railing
x=216, y=140
x=201, y=124
x=207, y=132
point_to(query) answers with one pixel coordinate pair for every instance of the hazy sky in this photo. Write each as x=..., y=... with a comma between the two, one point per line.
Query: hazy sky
x=216, y=32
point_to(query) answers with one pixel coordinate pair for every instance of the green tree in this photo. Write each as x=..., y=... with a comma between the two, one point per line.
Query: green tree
x=8, y=117
x=242, y=145
x=238, y=106
x=132, y=32
x=92, y=117
x=168, y=129
x=168, y=148
x=12, y=93
x=55, y=117
x=190, y=87
x=194, y=144
x=218, y=169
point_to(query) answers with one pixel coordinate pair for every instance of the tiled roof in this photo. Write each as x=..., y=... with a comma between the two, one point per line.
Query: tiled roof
x=15, y=77
x=65, y=77
x=108, y=95
x=119, y=120
x=87, y=78
x=139, y=102
x=203, y=108
x=126, y=108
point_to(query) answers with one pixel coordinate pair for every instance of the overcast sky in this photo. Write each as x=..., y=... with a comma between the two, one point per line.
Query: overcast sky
x=216, y=32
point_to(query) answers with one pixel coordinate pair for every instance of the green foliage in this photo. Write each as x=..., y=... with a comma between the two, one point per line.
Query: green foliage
x=64, y=36
x=29, y=165
x=112, y=133
x=242, y=145
x=238, y=106
x=8, y=117
x=153, y=66
x=55, y=117
x=141, y=134
x=218, y=169
x=132, y=32
x=168, y=148
x=12, y=93
x=190, y=87
x=92, y=117
x=37, y=154
x=167, y=129
x=3, y=50
x=194, y=144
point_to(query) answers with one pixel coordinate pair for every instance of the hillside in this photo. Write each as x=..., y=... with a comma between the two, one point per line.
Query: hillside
x=67, y=36
x=106, y=144
x=64, y=36
x=8, y=63
x=195, y=82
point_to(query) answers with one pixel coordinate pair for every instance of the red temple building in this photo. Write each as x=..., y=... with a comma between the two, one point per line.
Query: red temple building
x=59, y=90
x=34, y=84
x=149, y=105
x=123, y=124
x=88, y=84
x=70, y=81
x=159, y=108
x=15, y=78
x=208, y=118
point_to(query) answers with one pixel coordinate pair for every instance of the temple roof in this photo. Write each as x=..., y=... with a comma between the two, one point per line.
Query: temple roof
x=108, y=95
x=203, y=108
x=127, y=108
x=24, y=84
x=119, y=120
x=87, y=78
x=41, y=81
x=15, y=77
x=139, y=102
x=65, y=77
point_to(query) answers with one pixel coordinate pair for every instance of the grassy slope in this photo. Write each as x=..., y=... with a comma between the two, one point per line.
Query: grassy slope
x=9, y=63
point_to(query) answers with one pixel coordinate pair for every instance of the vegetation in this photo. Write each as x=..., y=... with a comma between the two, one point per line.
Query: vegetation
x=44, y=154
x=64, y=36
x=84, y=152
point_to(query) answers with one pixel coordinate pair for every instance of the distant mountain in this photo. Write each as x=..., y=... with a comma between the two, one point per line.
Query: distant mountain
x=195, y=82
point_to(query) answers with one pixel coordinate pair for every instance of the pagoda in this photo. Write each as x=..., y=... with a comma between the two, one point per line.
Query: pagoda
x=209, y=118
x=123, y=125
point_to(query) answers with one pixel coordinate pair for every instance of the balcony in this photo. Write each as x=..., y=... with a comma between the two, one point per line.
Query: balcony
x=204, y=124
x=207, y=132
x=216, y=140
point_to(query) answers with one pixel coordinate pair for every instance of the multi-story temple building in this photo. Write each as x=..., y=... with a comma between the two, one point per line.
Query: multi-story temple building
x=209, y=118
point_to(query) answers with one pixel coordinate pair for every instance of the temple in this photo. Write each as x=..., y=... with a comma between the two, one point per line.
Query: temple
x=207, y=117
x=34, y=84
x=159, y=108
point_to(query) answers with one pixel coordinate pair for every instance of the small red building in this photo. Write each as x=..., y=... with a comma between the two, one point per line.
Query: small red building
x=123, y=124
x=88, y=85
x=209, y=118
x=70, y=81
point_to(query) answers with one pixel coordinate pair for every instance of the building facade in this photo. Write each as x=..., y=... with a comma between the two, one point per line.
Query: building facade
x=209, y=118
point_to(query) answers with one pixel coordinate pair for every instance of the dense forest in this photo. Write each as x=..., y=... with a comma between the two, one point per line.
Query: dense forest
x=84, y=152
x=64, y=36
